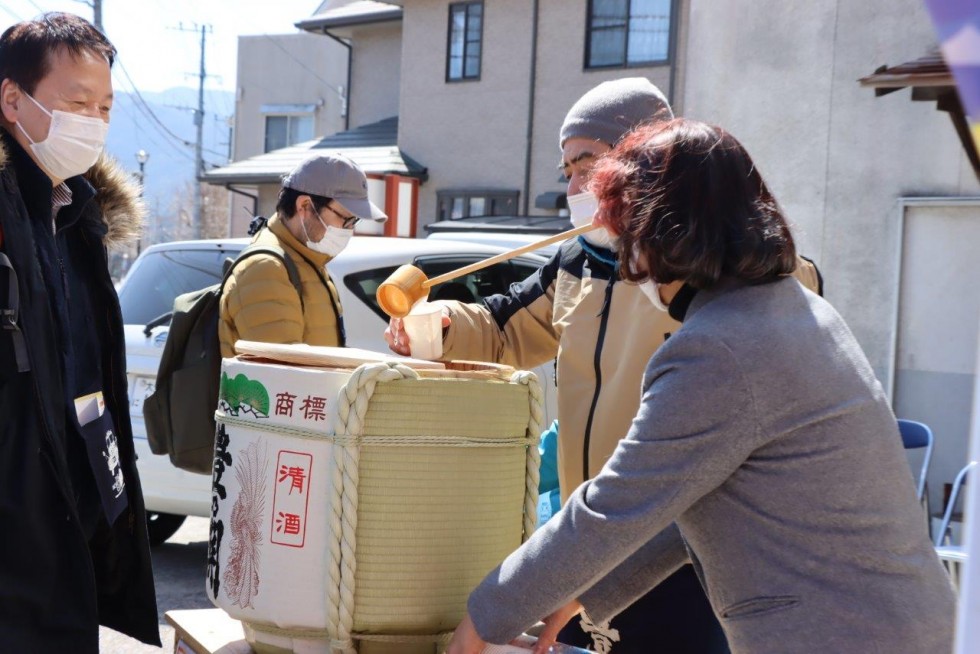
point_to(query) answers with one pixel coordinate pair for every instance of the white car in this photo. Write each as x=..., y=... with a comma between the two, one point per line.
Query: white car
x=164, y=271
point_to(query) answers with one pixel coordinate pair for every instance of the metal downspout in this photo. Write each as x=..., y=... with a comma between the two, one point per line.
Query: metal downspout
x=350, y=59
x=255, y=203
x=530, y=108
x=675, y=22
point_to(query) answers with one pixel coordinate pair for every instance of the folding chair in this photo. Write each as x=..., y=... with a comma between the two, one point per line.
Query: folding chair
x=952, y=556
x=916, y=435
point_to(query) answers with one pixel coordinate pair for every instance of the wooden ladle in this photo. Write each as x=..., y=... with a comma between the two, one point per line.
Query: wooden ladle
x=409, y=285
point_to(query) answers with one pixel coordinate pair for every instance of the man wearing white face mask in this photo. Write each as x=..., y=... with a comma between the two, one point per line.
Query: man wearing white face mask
x=319, y=203
x=603, y=332
x=74, y=552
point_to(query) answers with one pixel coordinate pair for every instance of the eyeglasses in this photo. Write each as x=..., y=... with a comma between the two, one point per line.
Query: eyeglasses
x=349, y=221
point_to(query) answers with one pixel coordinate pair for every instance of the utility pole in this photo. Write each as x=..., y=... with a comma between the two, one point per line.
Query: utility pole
x=142, y=156
x=197, y=218
x=96, y=6
x=199, y=143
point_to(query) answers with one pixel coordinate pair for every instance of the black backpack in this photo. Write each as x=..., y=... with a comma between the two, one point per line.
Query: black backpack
x=179, y=415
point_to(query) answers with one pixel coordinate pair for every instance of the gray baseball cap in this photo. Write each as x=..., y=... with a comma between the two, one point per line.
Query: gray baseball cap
x=332, y=175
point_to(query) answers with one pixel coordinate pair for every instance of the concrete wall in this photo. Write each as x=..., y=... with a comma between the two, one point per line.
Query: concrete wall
x=473, y=134
x=376, y=72
x=286, y=69
x=783, y=79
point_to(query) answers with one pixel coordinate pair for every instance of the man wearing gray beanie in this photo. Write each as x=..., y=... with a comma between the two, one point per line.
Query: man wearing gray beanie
x=612, y=109
x=603, y=332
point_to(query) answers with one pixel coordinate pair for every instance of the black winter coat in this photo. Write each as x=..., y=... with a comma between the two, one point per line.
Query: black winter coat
x=55, y=587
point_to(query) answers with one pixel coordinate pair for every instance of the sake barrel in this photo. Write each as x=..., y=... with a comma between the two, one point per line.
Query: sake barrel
x=354, y=509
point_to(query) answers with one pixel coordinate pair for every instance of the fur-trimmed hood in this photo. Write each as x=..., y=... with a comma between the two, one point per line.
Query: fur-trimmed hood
x=118, y=196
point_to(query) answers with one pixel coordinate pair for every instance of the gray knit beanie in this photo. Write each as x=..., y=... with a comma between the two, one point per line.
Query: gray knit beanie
x=610, y=110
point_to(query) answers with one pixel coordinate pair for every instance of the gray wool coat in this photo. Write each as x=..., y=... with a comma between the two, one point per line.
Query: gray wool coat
x=765, y=436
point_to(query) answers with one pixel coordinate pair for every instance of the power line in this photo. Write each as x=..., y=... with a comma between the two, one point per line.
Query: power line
x=219, y=110
x=6, y=9
x=304, y=66
x=149, y=111
x=36, y=6
x=159, y=145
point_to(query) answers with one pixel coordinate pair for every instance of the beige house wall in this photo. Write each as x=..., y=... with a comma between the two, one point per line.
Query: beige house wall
x=561, y=80
x=468, y=133
x=376, y=72
x=474, y=134
x=287, y=69
x=282, y=69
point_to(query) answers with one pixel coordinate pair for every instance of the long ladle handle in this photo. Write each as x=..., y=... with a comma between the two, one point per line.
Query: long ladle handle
x=504, y=256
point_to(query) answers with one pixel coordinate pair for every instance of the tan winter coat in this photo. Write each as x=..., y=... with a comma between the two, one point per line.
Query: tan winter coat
x=260, y=304
x=603, y=332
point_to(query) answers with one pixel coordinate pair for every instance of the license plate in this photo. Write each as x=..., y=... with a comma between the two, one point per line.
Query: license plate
x=142, y=388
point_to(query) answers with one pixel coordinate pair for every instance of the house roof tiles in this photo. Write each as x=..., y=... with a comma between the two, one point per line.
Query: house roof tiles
x=373, y=147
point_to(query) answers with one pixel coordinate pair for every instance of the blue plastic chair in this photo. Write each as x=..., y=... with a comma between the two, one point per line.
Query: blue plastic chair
x=916, y=435
x=958, y=483
x=952, y=556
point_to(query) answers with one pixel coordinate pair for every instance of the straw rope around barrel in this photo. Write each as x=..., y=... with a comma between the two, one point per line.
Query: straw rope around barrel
x=352, y=408
x=534, y=429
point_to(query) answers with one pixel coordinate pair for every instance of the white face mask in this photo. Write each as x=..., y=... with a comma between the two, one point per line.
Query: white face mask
x=649, y=287
x=334, y=239
x=581, y=209
x=73, y=143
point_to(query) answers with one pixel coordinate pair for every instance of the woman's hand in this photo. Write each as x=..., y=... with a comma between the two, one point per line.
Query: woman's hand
x=465, y=639
x=397, y=338
x=553, y=624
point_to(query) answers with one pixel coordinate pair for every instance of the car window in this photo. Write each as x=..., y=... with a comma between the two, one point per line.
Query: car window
x=472, y=287
x=161, y=276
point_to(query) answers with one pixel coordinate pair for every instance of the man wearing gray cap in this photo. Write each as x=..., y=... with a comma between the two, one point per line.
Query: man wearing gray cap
x=319, y=203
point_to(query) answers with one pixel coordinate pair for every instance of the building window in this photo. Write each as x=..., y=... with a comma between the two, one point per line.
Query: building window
x=283, y=131
x=456, y=204
x=465, y=41
x=623, y=33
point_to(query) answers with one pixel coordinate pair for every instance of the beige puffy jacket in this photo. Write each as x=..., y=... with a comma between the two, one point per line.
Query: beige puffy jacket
x=603, y=332
x=259, y=303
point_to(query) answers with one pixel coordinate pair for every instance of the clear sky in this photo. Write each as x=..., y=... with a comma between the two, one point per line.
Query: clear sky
x=155, y=53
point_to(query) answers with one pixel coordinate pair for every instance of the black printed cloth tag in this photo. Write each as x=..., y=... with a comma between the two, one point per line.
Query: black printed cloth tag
x=103, y=456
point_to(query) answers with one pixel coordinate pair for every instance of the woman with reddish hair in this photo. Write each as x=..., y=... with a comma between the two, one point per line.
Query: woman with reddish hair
x=762, y=434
